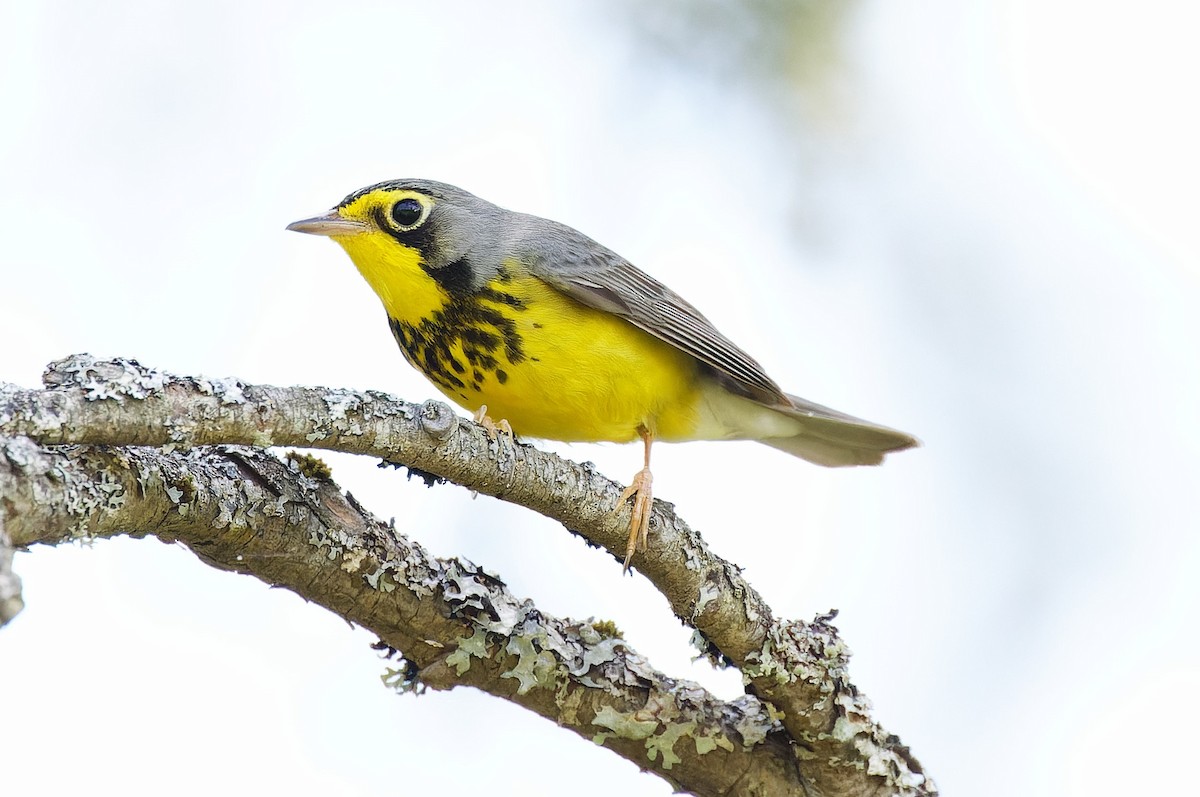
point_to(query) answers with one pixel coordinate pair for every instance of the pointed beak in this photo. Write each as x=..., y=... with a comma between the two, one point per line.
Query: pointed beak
x=330, y=224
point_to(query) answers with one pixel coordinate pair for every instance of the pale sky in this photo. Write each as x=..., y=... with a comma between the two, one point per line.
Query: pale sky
x=994, y=247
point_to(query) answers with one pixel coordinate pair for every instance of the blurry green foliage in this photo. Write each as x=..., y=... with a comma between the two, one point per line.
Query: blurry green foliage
x=788, y=52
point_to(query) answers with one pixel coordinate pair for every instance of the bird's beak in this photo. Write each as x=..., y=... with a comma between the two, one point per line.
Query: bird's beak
x=331, y=224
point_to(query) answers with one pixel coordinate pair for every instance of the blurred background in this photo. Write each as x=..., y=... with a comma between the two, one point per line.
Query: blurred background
x=974, y=221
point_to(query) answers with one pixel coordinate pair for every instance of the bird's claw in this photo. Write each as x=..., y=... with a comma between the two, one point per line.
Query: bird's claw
x=494, y=428
x=639, y=520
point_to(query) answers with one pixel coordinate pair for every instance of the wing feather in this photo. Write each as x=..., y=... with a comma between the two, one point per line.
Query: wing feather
x=598, y=277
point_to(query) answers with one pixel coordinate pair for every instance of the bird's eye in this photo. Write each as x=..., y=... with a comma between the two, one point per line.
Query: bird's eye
x=407, y=212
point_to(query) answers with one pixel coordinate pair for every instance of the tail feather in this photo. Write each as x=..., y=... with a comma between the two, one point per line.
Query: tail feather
x=834, y=439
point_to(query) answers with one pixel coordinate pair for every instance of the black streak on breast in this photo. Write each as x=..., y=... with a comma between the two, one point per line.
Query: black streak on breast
x=483, y=326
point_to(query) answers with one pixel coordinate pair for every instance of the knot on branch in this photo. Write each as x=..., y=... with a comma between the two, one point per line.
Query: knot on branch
x=437, y=419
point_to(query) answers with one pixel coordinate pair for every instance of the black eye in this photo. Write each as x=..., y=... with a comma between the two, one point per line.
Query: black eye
x=407, y=212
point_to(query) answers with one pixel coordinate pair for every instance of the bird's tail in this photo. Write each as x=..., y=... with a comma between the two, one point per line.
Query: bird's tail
x=833, y=439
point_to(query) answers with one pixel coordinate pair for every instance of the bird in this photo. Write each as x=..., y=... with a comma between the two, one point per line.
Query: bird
x=530, y=321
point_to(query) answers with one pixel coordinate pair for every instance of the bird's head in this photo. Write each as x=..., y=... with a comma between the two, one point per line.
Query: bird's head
x=393, y=228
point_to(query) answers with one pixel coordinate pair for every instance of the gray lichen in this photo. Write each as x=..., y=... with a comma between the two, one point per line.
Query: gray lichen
x=116, y=379
x=228, y=389
x=474, y=645
x=659, y=725
x=535, y=667
x=104, y=492
x=753, y=719
x=8, y=393
x=624, y=725
x=709, y=592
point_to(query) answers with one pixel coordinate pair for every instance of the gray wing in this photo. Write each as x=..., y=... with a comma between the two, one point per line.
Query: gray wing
x=598, y=277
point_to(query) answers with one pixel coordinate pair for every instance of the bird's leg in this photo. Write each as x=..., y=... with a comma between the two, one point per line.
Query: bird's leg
x=639, y=490
x=493, y=428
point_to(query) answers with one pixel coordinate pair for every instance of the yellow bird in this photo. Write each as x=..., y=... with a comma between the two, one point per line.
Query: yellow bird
x=534, y=323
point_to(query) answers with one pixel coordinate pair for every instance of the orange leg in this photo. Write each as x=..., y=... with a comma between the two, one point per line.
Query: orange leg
x=639, y=491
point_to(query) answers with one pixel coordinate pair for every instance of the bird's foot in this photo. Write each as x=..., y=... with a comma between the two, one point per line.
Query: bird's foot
x=494, y=428
x=639, y=520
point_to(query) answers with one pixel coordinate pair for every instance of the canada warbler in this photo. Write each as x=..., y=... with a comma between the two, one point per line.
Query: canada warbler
x=534, y=323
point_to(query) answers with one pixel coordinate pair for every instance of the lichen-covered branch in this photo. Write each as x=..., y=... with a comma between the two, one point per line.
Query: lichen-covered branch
x=242, y=509
x=800, y=668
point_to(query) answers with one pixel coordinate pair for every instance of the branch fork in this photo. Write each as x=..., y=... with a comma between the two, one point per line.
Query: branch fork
x=109, y=447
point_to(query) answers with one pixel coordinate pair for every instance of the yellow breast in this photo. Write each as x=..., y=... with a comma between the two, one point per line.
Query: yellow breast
x=549, y=365
x=587, y=375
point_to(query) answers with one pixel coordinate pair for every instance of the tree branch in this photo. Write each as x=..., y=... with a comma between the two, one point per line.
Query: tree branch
x=800, y=668
x=241, y=509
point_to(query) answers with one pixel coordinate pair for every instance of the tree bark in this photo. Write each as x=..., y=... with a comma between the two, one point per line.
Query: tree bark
x=803, y=727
